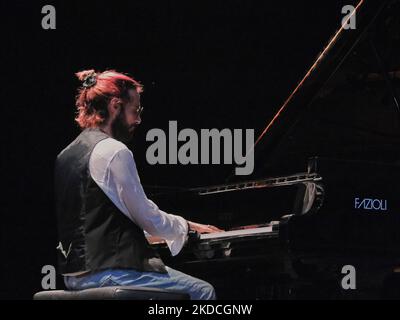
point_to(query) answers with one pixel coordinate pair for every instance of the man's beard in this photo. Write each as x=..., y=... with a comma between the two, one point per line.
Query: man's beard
x=120, y=129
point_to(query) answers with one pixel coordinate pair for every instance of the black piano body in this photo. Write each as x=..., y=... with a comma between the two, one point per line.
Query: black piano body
x=342, y=214
x=342, y=209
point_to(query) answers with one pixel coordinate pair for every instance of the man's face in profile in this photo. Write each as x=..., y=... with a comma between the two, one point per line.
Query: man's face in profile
x=127, y=119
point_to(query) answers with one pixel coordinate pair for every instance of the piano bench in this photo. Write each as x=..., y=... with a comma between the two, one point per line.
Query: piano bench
x=112, y=293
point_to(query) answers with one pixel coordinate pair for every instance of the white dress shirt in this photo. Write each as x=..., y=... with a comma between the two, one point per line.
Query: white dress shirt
x=113, y=168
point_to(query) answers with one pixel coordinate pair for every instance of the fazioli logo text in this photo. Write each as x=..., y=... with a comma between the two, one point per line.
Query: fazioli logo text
x=370, y=204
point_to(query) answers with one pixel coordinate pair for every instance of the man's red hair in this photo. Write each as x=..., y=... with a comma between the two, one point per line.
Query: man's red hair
x=92, y=102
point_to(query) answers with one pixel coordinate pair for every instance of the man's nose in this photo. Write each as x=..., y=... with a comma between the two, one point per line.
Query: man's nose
x=138, y=120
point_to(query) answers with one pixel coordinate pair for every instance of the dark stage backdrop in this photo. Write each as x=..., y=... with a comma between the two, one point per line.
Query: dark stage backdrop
x=206, y=64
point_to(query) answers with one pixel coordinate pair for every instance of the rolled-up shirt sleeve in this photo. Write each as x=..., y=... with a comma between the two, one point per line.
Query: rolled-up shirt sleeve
x=117, y=176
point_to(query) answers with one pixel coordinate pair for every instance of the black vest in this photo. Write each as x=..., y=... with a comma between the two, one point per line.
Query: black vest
x=93, y=233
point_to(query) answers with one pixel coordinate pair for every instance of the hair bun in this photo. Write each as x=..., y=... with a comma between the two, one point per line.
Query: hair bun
x=83, y=75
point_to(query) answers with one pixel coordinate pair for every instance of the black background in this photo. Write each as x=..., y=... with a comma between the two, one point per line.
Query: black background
x=206, y=64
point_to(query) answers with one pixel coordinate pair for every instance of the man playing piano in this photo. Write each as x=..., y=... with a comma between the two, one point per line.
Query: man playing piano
x=102, y=209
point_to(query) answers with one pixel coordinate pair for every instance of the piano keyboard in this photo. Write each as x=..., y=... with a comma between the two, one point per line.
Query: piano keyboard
x=236, y=233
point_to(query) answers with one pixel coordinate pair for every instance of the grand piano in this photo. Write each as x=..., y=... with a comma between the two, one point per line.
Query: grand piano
x=290, y=235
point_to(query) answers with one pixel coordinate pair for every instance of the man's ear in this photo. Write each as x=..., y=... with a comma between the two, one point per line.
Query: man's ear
x=114, y=105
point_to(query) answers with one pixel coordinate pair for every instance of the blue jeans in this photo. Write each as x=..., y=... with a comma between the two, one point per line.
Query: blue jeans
x=173, y=280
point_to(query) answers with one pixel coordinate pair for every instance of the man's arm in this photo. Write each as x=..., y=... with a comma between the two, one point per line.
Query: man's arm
x=117, y=176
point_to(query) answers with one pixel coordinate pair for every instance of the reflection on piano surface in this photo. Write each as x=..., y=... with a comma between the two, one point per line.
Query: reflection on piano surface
x=290, y=236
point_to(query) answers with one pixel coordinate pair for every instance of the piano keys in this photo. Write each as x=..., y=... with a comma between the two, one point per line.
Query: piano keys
x=237, y=235
x=221, y=244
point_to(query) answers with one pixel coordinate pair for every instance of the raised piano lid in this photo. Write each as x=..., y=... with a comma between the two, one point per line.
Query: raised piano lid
x=335, y=111
x=338, y=111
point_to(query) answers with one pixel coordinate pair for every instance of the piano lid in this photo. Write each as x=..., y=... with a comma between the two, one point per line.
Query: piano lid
x=346, y=106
